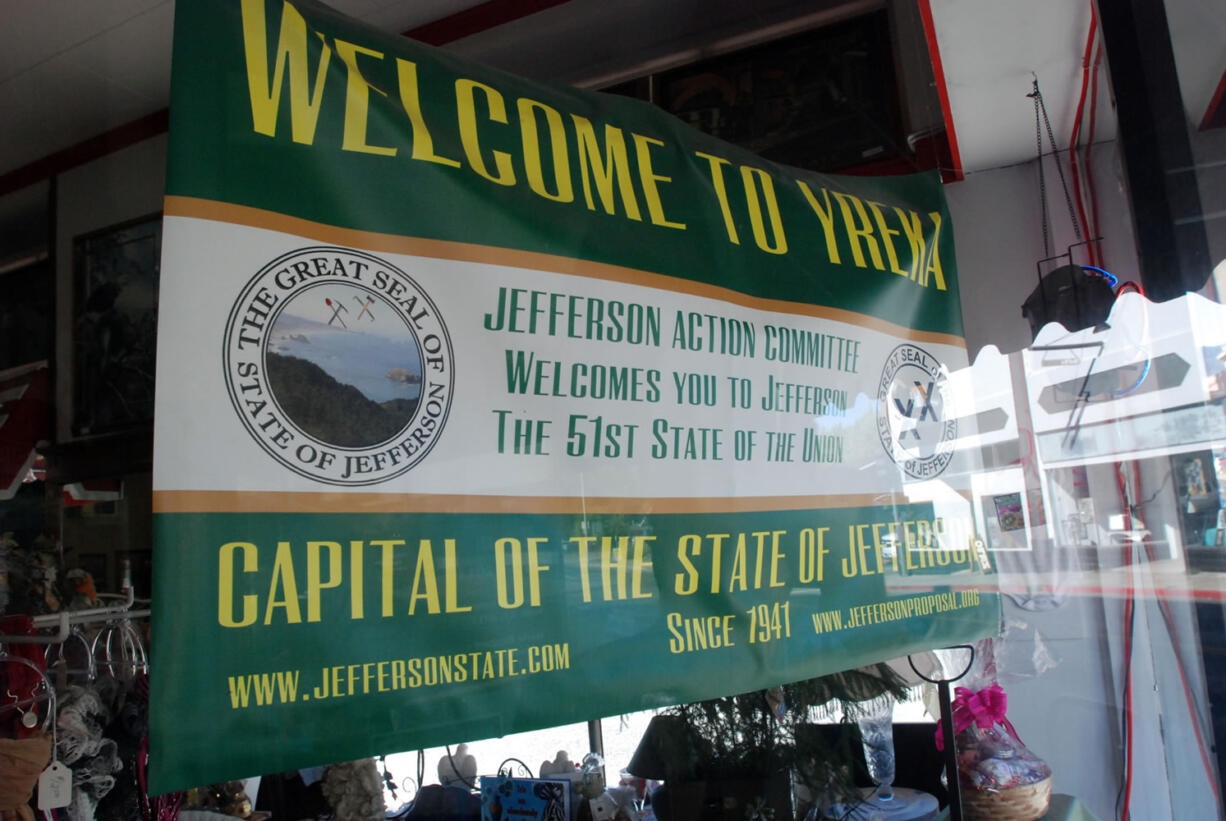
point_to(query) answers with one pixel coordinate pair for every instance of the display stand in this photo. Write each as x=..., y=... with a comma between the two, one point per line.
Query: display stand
x=947, y=729
x=64, y=619
x=116, y=648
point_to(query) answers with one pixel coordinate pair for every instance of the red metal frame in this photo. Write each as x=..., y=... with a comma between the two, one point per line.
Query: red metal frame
x=1215, y=114
x=954, y=172
x=479, y=18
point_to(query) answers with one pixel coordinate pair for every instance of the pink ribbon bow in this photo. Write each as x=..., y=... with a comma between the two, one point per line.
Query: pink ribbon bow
x=983, y=709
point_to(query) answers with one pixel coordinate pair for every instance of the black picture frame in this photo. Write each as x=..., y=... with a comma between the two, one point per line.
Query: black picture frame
x=826, y=99
x=27, y=314
x=116, y=272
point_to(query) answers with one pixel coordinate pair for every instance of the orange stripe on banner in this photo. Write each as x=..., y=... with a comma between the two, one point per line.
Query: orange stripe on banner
x=213, y=210
x=230, y=501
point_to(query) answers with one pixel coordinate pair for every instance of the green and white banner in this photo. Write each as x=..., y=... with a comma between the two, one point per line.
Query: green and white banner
x=486, y=405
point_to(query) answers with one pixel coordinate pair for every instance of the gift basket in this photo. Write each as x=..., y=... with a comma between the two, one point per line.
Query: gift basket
x=1000, y=778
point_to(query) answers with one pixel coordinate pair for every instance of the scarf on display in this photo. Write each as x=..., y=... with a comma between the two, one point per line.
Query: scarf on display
x=355, y=790
x=22, y=761
x=94, y=759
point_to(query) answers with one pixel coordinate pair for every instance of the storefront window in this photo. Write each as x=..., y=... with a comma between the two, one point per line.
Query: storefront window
x=1065, y=227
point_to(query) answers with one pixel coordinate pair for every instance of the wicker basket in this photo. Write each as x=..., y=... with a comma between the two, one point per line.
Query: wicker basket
x=1014, y=804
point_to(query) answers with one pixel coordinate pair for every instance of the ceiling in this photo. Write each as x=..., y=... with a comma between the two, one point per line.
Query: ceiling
x=992, y=51
x=73, y=69
x=988, y=82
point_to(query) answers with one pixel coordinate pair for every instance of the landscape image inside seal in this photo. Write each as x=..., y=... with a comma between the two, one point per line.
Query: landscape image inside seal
x=344, y=366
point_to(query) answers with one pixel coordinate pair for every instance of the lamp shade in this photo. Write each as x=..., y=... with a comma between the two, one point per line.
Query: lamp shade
x=664, y=750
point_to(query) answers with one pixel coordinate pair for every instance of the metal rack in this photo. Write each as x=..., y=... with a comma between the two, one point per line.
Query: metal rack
x=122, y=649
x=64, y=620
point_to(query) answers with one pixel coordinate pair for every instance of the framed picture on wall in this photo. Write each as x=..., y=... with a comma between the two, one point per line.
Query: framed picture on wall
x=115, y=325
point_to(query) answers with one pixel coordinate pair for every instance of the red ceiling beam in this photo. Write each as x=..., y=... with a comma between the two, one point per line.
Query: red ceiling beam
x=938, y=76
x=1215, y=114
x=87, y=151
x=479, y=18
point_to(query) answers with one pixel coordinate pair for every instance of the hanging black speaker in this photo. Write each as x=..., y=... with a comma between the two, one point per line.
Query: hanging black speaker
x=1071, y=296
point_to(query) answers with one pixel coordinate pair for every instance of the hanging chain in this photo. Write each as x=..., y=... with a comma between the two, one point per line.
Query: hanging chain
x=1068, y=198
x=1038, y=147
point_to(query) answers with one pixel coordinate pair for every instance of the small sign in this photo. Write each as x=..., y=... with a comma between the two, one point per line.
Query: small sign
x=524, y=799
x=55, y=787
x=604, y=808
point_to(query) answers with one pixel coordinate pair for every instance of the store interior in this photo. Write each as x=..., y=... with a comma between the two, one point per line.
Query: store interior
x=1100, y=506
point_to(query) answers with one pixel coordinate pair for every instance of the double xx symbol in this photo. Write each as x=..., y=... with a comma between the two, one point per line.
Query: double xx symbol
x=926, y=409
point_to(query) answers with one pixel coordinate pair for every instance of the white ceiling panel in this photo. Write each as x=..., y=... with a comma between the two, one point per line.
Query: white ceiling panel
x=73, y=69
x=38, y=30
x=991, y=51
x=111, y=57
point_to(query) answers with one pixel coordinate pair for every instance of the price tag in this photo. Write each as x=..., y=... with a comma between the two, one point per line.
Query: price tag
x=55, y=787
x=603, y=808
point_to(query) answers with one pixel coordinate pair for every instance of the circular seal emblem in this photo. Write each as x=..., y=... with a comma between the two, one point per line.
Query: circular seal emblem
x=339, y=365
x=911, y=418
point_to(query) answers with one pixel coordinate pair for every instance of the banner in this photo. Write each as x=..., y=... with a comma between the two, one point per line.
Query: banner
x=485, y=405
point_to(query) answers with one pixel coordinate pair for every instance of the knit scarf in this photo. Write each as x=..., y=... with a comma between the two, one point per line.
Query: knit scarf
x=22, y=761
